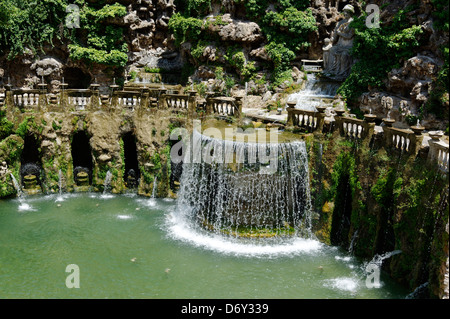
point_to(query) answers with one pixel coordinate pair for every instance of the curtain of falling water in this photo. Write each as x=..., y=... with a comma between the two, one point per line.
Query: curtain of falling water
x=223, y=196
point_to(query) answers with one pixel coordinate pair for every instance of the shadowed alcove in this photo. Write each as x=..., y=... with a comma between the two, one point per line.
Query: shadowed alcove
x=30, y=162
x=81, y=158
x=132, y=173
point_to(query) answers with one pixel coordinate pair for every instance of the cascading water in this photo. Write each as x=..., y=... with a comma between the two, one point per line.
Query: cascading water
x=16, y=186
x=234, y=195
x=155, y=181
x=315, y=93
x=23, y=206
x=106, y=185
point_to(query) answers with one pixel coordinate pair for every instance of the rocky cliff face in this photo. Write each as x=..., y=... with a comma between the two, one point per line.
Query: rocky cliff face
x=151, y=45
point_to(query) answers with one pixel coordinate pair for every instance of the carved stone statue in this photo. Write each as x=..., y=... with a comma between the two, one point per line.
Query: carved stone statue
x=338, y=60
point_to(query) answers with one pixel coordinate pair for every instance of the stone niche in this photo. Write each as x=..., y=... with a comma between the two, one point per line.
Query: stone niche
x=76, y=78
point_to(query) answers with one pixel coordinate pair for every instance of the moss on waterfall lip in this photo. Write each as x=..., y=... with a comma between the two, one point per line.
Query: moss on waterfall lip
x=248, y=134
x=251, y=232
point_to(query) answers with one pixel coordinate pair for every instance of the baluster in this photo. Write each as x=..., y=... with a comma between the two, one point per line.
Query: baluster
x=25, y=99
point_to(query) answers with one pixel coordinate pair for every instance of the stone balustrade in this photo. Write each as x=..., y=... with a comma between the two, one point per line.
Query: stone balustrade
x=177, y=101
x=26, y=99
x=405, y=141
x=438, y=155
x=354, y=128
x=224, y=106
x=401, y=140
x=128, y=100
x=307, y=120
x=79, y=100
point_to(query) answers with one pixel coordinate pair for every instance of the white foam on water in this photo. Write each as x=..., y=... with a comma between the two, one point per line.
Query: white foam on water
x=346, y=259
x=23, y=207
x=124, y=217
x=342, y=283
x=107, y=196
x=179, y=229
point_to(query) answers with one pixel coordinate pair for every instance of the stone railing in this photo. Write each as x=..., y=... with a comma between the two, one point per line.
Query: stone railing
x=354, y=128
x=80, y=100
x=439, y=155
x=128, y=100
x=29, y=100
x=177, y=101
x=306, y=120
x=223, y=106
x=400, y=139
x=26, y=98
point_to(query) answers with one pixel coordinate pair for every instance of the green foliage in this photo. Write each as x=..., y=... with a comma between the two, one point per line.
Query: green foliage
x=439, y=96
x=378, y=51
x=6, y=127
x=441, y=14
x=387, y=189
x=30, y=24
x=290, y=27
x=92, y=55
x=236, y=58
x=24, y=127
x=198, y=7
x=281, y=57
x=185, y=29
x=98, y=42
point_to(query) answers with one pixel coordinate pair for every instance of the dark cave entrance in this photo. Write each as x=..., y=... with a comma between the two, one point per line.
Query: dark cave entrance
x=76, y=78
x=132, y=173
x=30, y=160
x=81, y=158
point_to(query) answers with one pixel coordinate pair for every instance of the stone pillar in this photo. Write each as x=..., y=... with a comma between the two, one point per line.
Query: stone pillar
x=209, y=102
x=95, y=97
x=320, y=118
x=239, y=100
x=416, y=142
x=338, y=120
x=162, y=98
x=145, y=100
x=290, y=107
x=42, y=96
x=192, y=106
x=63, y=98
x=114, y=96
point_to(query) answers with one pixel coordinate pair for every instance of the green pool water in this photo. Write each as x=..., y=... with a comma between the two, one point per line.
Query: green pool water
x=133, y=247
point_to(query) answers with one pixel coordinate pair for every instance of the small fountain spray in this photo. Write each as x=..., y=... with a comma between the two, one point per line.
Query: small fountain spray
x=154, y=187
x=106, y=184
x=22, y=206
x=16, y=186
x=60, y=197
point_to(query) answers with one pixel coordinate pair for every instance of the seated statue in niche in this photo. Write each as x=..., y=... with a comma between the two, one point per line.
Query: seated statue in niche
x=339, y=61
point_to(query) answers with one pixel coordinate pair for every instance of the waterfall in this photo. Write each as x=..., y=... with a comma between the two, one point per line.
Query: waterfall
x=352, y=243
x=107, y=182
x=419, y=292
x=60, y=182
x=16, y=186
x=314, y=93
x=237, y=189
x=154, y=187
